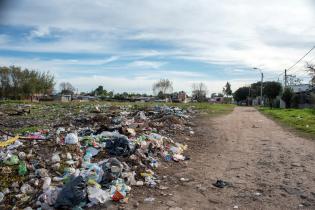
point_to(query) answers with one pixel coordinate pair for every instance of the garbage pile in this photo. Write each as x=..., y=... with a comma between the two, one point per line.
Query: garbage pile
x=96, y=161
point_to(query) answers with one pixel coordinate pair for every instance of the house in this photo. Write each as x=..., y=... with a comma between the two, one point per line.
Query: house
x=180, y=97
x=304, y=96
x=300, y=88
x=65, y=98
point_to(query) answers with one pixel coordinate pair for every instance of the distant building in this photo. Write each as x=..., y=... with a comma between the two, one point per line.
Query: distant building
x=180, y=97
x=300, y=88
x=162, y=100
x=216, y=100
x=143, y=99
x=65, y=98
x=304, y=96
x=84, y=98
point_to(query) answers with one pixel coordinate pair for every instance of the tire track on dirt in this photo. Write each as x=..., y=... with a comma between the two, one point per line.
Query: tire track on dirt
x=269, y=167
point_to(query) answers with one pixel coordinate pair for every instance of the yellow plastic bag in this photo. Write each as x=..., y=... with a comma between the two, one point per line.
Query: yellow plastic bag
x=9, y=141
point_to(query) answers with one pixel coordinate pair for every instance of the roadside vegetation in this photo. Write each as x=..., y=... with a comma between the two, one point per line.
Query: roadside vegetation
x=291, y=98
x=299, y=119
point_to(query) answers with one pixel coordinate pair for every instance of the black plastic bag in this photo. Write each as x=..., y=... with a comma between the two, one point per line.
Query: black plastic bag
x=72, y=194
x=119, y=146
x=221, y=184
x=85, y=132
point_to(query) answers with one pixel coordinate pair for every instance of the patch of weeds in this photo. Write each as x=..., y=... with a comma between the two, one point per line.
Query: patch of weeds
x=299, y=119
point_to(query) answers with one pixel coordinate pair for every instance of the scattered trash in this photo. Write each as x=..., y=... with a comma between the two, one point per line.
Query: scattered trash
x=1, y=197
x=22, y=168
x=47, y=182
x=184, y=179
x=41, y=173
x=149, y=199
x=119, y=190
x=27, y=189
x=22, y=155
x=12, y=160
x=221, y=184
x=112, y=170
x=119, y=145
x=8, y=142
x=72, y=194
x=117, y=196
x=55, y=158
x=97, y=195
x=94, y=159
x=90, y=150
x=71, y=138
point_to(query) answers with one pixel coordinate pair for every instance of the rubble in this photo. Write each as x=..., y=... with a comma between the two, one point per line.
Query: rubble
x=93, y=160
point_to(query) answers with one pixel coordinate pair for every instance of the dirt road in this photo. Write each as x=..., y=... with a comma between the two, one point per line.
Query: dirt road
x=268, y=167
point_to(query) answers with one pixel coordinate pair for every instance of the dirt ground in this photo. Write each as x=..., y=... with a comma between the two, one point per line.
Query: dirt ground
x=267, y=166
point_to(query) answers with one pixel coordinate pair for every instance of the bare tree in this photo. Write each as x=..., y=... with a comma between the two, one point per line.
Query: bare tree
x=199, y=92
x=162, y=87
x=67, y=88
x=310, y=67
x=293, y=80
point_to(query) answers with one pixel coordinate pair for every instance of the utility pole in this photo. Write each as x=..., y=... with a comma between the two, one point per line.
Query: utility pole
x=261, y=87
x=285, y=78
x=249, y=91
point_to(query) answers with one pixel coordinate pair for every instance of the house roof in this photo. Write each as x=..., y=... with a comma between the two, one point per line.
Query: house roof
x=300, y=88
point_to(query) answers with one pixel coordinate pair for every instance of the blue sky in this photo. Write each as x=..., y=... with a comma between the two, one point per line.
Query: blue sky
x=128, y=45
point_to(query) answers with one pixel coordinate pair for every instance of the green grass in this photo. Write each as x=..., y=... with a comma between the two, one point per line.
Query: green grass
x=302, y=120
x=30, y=129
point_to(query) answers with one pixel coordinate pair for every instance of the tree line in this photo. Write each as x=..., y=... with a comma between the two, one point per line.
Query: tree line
x=272, y=89
x=104, y=94
x=17, y=83
x=164, y=89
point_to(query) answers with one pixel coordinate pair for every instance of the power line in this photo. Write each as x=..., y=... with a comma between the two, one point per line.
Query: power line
x=299, y=69
x=301, y=58
x=297, y=61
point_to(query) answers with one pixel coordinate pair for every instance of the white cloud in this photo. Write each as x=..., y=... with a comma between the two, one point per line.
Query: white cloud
x=4, y=39
x=144, y=85
x=39, y=32
x=119, y=84
x=243, y=33
x=146, y=64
